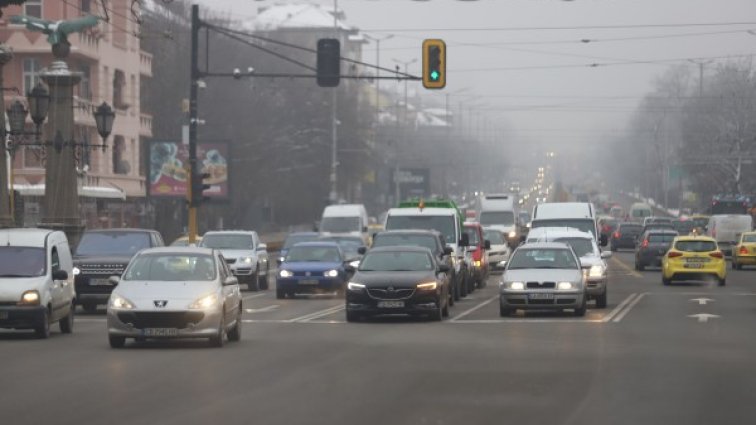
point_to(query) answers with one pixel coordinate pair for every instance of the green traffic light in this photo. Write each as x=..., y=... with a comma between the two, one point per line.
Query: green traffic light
x=434, y=75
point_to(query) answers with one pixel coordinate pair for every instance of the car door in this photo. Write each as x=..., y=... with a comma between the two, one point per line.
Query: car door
x=57, y=299
x=231, y=294
x=66, y=263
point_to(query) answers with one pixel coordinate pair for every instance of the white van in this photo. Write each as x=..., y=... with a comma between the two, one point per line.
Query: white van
x=36, y=281
x=726, y=229
x=497, y=211
x=639, y=211
x=578, y=215
x=345, y=218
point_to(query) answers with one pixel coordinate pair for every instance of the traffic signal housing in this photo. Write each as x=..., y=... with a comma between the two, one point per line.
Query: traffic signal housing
x=329, y=62
x=434, y=64
x=198, y=188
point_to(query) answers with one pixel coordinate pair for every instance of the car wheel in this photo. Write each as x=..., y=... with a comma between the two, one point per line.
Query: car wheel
x=580, y=311
x=601, y=300
x=451, y=296
x=640, y=267
x=116, y=341
x=505, y=311
x=722, y=282
x=666, y=281
x=66, y=324
x=351, y=316
x=455, y=289
x=219, y=338
x=89, y=307
x=252, y=284
x=280, y=293
x=262, y=280
x=235, y=334
x=42, y=330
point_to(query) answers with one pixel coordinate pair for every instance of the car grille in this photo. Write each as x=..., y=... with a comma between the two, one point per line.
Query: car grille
x=389, y=293
x=540, y=302
x=541, y=285
x=102, y=269
x=178, y=320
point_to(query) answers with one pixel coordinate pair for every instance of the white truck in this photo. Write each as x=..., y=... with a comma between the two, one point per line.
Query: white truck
x=578, y=215
x=497, y=211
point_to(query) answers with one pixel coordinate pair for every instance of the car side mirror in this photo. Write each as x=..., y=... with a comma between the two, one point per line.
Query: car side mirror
x=231, y=280
x=60, y=275
x=364, y=229
x=279, y=261
x=604, y=239
x=448, y=250
x=606, y=254
x=487, y=244
x=443, y=268
x=114, y=280
x=262, y=247
x=362, y=250
x=464, y=240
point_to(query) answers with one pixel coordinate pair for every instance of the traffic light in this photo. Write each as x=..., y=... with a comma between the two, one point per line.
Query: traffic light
x=329, y=62
x=198, y=188
x=434, y=64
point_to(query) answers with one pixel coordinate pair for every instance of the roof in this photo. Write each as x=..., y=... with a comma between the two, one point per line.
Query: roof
x=662, y=230
x=424, y=211
x=550, y=233
x=228, y=232
x=429, y=232
x=563, y=210
x=24, y=237
x=694, y=238
x=84, y=191
x=125, y=230
x=544, y=245
x=303, y=234
x=318, y=243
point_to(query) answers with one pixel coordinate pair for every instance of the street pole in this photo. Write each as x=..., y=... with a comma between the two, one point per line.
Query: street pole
x=193, y=120
x=334, y=195
x=6, y=213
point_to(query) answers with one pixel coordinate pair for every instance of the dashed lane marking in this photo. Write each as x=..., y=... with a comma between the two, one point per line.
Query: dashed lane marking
x=627, y=268
x=249, y=297
x=318, y=314
x=473, y=309
x=619, y=308
x=629, y=307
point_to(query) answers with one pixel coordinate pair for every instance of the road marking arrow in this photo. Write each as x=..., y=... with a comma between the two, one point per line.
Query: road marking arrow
x=702, y=301
x=704, y=317
x=262, y=310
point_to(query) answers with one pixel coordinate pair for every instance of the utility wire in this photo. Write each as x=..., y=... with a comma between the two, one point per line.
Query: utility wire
x=256, y=46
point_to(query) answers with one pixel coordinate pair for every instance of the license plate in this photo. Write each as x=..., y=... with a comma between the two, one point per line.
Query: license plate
x=308, y=282
x=99, y=282
x=160, y=332
x=4, y=315
x=696, y=260
x=694, y=266
x=541, y=296
x=390, y=304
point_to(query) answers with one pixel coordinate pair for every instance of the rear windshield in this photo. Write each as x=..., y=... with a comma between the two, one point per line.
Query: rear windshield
x=489, y=218
x=630, y=228
x=660, y=238
x=584, y=225
x=696, y=246
x=749, y=238
x=442, y=223
x=426, y=241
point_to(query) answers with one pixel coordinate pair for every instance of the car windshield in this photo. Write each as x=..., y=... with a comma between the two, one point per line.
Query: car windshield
x=349, y=246
x=112, y=243
x=21, y=261
x=426, y=241
x=701, y=221
x=542, y=258
x=640, y=213
x=494, y=236
x=171, y=268
x=218, y=241
x=473, y=235
x=584, y=225
x=322, y=254
x=292, y=240
x=661, y=238
x=396, y=261
x=749, y=238
x=696, y=246
x=488, y=218
x=524, y=217
x=441, y=223
x=683, y=226
x=340, y=224
x=581, y=246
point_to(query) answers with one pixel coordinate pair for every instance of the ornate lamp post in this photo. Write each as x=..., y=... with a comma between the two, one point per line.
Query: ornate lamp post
x=104, y=118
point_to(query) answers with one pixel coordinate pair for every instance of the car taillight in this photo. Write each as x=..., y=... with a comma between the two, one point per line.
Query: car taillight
x=716, y=255
x=673, y=254
x=645, y=243
x=477, y=254
x=743, y=250
x=617, y=235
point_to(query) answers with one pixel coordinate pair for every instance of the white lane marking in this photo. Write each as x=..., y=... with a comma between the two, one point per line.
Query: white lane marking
x=701, y=301
x=704, y=317
x=89, y=319
x=249, y=297
x=744, y=295
x=261, y=310
x=526, y=320
x=318, y=314
x=627, y=268
x=617, y=309
x=477, y=307
x=629, y=307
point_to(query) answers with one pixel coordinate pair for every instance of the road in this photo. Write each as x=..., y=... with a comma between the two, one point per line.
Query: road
x=643, y=360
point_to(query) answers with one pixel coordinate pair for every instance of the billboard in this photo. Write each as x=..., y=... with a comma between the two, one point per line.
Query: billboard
x=168, y=165
x=413, y=182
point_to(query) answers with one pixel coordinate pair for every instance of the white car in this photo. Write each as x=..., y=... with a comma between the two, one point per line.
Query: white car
x=500, y=251
x=245, y=254
x=175, y=293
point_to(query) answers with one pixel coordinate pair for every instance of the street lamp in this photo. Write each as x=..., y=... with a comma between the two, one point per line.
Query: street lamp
x=104, y=117
x=39, y=104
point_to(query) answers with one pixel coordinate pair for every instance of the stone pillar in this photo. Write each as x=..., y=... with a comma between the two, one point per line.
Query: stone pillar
x=6, y=215
x=61, y=203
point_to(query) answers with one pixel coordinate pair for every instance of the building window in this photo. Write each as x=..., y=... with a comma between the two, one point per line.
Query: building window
x=86, y=6
x=31, y=73
x=119, y=83
x=120, y=165
x=85, y=86
x=33, y=8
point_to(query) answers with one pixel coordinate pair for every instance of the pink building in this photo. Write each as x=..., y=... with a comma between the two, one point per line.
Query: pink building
x=112, y=65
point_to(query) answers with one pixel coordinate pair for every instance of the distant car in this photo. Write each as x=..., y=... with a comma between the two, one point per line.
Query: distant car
x=744, y=253
x=293, y=239
x=499, y=251
x=617, y=212
x=607, y=226
x=245, y=253
x=700, y=222
x=399, y=280
x=652, y=246
x=657, y=226
x=350, y=246
x=184, y=241
x=312, y=267
x=175, y=293
x=657, y=220
x=694, y=258
x=683, y=227
x=477, y=249
x=104, y=253
x=625, y=236
x=542, y=276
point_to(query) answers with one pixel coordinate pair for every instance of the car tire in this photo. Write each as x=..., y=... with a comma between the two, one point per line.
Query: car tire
x=252, y=284
x=505, y=311
x=235, y=334
x=280, y=294
x=722, y=282
x=640, y=267
x=612, y=248
x=89, y=307
x=580, y=311
x=116, y=341
x=455, y=290
x=262, y=279
x=67, y=323
x=463, y=288
x=42, y=331
x=219, y=338
x=601, y=300
x=665, y=281
x=352, y=316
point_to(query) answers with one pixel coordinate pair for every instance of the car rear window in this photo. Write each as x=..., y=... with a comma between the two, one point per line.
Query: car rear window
x=660, y=237
x=749, y=238
x=630, y=228
x=696, y=246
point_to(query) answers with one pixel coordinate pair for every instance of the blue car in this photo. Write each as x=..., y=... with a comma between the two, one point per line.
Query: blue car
x=293, y=239
x=310, y=268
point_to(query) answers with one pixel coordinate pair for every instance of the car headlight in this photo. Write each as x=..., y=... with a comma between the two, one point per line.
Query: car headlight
x=564, y=286
x=354, y=286
x=477, y=263
x=281, y=259
x=76, y=271
x=30, y=298
x=246, y=260
x=517, y=286
x=596, y=271
x=430, y=286
x=285, y=273
x=331, y=273
x=355, y=263
x=120, y=303
x=205, y=302
x=512, y=234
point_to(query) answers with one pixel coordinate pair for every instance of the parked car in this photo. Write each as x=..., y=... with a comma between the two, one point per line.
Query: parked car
x=542, y=276
x=245, y=254
x=312, y=267
x=744, y=253
x=694, y=258
x=477, y=250
x=652, y=245
x=499, y=252
x=293, y=239
x=625, y=236
x=399, y=280
x=36, y=281
x=175, y=293
x=105, y=253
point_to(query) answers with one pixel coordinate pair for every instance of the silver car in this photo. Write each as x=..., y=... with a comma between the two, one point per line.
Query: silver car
x=245, y=254
x=542, y=276
x=175, y=292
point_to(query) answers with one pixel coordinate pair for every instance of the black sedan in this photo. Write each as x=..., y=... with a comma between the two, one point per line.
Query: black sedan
x=399, y=280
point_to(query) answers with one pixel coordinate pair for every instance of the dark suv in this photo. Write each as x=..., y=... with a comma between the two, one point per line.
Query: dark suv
x=652, y=246
x=625, y=236
x=104, y=253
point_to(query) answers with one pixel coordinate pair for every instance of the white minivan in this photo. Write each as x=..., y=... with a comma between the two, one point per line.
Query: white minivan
x=497, y=211
x=345, y=218
x=726, y=229
x=578, y=215
x=36, y=281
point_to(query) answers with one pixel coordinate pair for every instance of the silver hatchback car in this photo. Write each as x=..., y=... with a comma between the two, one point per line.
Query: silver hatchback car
x=175, y=292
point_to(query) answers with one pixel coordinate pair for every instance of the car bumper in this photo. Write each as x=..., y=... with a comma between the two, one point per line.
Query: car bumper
x=623, y=243
x=681, y=273
x=182, y=324
x=417, y=304
x=595, y=286
x=21, y=317
x=560, y=301
x=86, y=292
x=310, y=284
x=651, y=258
x=744, y=259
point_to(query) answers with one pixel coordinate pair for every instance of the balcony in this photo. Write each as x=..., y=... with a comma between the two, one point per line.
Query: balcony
x=145, y=125
x=145, y=64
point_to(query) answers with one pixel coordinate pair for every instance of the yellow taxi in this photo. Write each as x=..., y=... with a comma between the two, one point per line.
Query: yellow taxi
x=694, y=258
x=744, y=253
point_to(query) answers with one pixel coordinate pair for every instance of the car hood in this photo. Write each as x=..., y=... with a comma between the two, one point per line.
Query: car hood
x=11, y=288
x=95, y=259
x=233, y=254
x=591, y=260
x=501, y=227
x=178, y=294
x=397, y=279
x=309, y=266
x=498, y=247
x=542, y=275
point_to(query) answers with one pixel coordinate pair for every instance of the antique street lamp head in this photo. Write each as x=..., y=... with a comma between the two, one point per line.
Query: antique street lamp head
x=39, y=103
x=104, y=117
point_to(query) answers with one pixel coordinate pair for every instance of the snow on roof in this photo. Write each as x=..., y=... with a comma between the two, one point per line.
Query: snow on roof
x=296, y=16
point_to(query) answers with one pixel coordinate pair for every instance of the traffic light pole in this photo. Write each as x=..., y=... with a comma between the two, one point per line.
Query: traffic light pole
x=193, y=121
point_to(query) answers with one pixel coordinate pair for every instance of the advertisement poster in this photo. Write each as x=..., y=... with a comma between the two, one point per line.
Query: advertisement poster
x=169, y=165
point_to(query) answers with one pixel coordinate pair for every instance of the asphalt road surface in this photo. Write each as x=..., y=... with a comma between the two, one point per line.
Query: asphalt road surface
x=657, y=355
